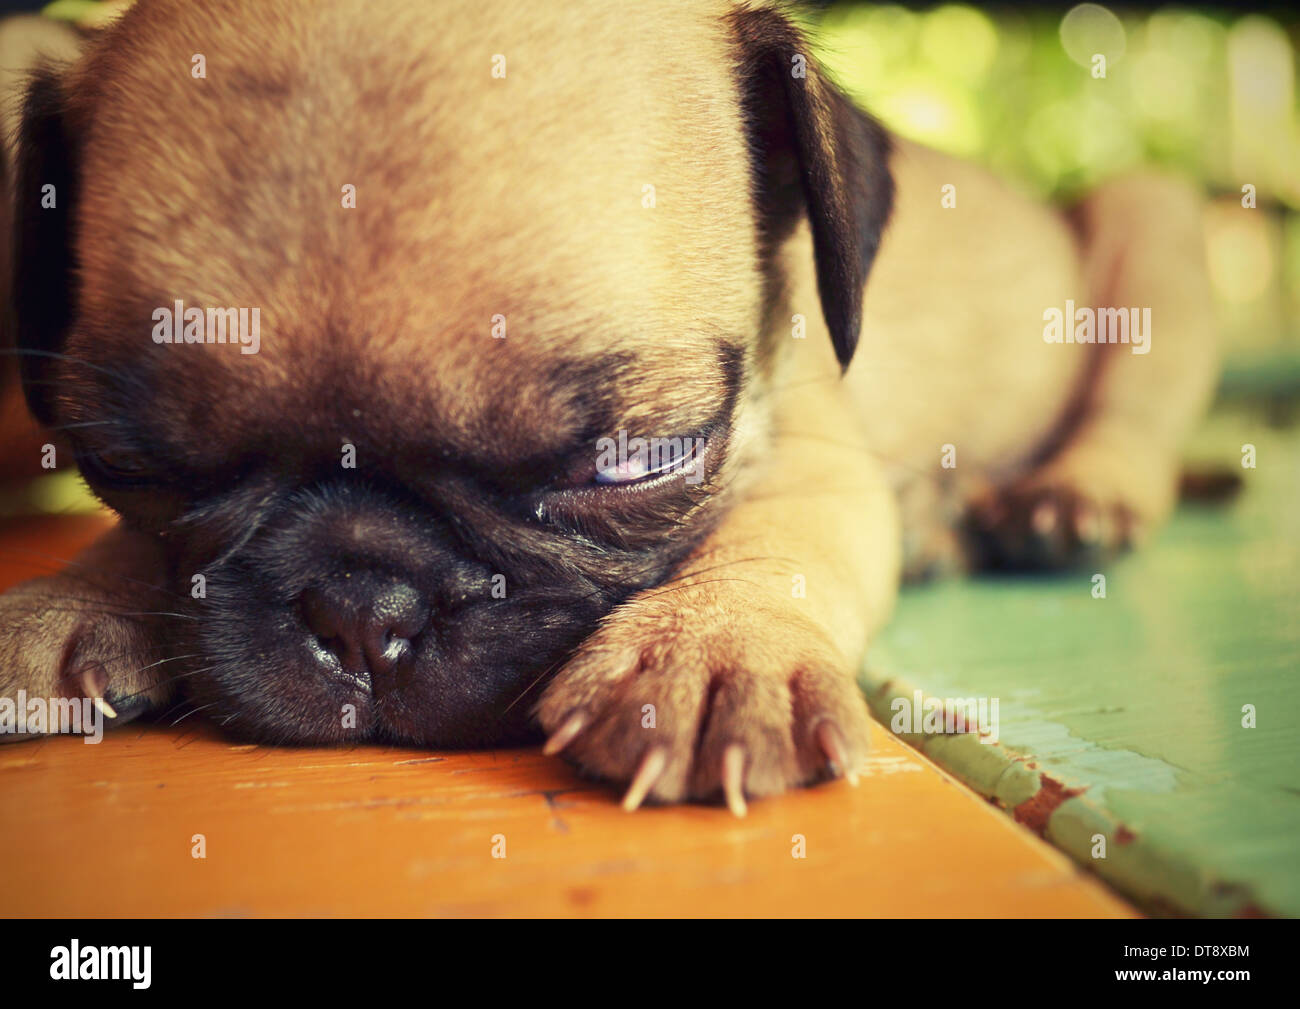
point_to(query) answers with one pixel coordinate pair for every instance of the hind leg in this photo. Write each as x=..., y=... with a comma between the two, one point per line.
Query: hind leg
x=1112, y=476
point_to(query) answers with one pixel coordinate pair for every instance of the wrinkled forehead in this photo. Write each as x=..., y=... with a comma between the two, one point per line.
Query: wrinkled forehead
x=432, y=228
x=479, y=154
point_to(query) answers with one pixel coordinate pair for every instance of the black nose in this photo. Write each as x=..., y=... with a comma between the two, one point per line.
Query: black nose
x=365, y=623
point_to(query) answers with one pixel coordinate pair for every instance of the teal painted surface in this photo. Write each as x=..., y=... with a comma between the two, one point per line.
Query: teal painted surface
x=1139, y=696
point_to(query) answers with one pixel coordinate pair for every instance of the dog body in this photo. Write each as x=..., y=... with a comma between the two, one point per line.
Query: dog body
x=483, y=237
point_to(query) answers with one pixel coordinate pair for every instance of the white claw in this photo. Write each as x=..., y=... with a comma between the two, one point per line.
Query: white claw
x=93, y=686
x=565, y=734
x=832, y=744
x=652, y=765
x=104, y=707
x=733, y=778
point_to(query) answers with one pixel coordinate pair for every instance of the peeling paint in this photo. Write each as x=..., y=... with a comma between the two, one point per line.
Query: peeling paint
x=1069, y=814
x=1036, y=811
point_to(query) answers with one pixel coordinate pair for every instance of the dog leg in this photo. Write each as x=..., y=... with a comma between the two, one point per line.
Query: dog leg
x=1114, y=475
x=737, y=676
x=91, y=630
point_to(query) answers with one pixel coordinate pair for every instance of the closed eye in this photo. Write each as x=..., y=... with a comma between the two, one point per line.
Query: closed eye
x=629, y=494
x=146, y=494
x=624, y=461
x=112, y=471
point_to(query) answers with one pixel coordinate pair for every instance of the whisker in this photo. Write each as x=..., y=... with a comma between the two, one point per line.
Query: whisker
x=546, y=672
x=162, y=683
x=82, y=423
x=655, y=594
x=97, y=571
x=122, y=655
x=57, y=356
x=194, y=711
x=91, y=607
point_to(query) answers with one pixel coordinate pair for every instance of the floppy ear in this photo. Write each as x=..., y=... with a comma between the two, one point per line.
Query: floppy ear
x=44, y=199
x=813, y=152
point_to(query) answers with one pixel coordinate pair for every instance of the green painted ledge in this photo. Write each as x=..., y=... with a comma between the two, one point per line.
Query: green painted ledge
x=1122, y=717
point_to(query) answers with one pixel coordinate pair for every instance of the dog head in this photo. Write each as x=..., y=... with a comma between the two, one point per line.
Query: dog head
x=363, y=309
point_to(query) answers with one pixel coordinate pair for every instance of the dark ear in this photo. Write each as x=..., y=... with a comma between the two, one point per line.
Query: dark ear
x=814, y=152
x=41, y=251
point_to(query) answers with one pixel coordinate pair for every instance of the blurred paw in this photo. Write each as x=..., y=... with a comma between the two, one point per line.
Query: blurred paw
x=1046, y=527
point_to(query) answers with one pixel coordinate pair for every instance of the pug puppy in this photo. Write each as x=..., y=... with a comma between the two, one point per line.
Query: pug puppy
x=496, y=250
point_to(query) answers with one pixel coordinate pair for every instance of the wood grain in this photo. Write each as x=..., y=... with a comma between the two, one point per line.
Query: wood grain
x=109, y=830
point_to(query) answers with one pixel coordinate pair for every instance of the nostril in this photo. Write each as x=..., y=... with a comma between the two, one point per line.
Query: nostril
x=322, y=616
x=384, y=652
x=368, y=626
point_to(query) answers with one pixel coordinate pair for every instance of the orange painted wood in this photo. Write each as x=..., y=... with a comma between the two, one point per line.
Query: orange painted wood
x=108, y=829
x=42, y=544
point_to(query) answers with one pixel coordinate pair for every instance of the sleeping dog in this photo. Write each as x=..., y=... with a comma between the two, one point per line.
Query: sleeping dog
x=570, y=407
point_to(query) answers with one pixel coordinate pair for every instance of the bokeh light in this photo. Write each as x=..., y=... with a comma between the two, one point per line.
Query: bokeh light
x=1089, y=30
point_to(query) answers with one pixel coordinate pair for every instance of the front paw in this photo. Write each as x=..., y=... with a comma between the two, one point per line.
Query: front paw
x=695, y=693
x=66, y=637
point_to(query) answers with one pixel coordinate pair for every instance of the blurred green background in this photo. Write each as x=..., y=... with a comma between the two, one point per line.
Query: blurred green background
x=1210, y=94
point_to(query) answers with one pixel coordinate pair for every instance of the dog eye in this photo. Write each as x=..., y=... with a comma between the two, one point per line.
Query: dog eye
x=115, y=470
x=635, y=487
x=623, y=461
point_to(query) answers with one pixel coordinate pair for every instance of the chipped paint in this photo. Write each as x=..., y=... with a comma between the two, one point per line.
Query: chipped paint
x=1037, y=810
x=1070, y=814
x=1170, y=701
